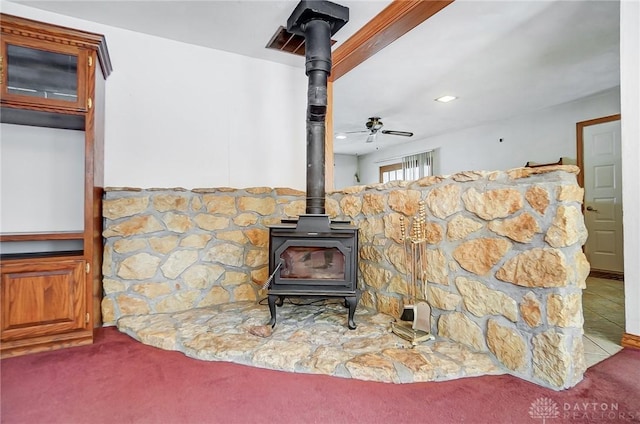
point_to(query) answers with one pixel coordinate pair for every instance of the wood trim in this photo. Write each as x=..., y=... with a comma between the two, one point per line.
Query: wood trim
x=400, y=17
x=631, y=341
x=89, y=192
x=21, y=105
x=538, y=165
x=58, y=34
x=328, y=141
x=580, y=141
x=14, y=348
x=97, y=189
x=60, y=235
x=387, y=168
x=609, y=275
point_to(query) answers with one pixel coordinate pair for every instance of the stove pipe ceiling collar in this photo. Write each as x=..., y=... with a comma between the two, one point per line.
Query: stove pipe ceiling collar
x=317, y=21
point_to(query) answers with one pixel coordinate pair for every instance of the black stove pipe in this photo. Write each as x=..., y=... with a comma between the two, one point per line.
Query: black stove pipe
x=317, y=21
x=318, y=67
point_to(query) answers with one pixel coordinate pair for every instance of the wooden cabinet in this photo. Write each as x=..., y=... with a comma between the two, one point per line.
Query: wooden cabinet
x=52, y=86
x=42, y=74
x=44, y=302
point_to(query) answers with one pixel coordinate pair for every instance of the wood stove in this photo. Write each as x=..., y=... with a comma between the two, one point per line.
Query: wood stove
x=314, y=257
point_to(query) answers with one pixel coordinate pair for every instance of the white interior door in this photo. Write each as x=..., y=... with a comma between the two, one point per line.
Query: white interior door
x=603, y=196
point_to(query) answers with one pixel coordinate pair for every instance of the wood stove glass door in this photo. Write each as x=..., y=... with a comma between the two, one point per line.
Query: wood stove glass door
x=313, y=260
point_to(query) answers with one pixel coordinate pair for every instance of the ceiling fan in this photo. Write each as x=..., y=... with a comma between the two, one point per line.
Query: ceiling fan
x=374, y=125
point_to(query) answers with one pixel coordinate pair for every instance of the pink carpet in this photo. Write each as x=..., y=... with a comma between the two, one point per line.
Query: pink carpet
x=118, y=380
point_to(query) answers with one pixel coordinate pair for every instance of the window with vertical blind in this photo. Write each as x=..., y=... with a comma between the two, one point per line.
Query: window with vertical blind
x=411, y=168
x=391, y=173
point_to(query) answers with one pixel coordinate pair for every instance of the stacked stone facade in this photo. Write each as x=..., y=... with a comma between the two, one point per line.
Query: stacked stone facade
x=504, y=269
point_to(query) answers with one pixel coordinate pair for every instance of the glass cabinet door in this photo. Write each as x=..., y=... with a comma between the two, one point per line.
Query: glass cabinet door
x=48, y=75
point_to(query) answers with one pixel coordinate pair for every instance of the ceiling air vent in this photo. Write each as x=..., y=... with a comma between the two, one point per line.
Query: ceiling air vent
x=285, y=41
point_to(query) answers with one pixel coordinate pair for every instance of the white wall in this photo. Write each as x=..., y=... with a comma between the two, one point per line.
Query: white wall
x=542, y=136
x=630, y=99
x=179, y=115
x=41, y=179
x=345, y=168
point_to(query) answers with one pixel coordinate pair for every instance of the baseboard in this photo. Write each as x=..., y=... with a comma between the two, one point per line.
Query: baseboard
x=610, y=275
x=631, y=341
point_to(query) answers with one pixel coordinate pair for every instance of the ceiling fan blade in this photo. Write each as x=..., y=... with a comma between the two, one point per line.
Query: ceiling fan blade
x=402, y=133
x=354, y=132
x=372, y=137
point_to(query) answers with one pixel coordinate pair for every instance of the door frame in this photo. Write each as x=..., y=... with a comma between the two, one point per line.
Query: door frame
x=580, y=126
x=580, y=142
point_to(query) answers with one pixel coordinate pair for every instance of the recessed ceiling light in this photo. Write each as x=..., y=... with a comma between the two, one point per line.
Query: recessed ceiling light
x=341, y=136
x=445, y=99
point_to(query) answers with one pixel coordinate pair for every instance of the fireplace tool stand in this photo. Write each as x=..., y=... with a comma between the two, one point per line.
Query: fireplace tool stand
x=415, y=325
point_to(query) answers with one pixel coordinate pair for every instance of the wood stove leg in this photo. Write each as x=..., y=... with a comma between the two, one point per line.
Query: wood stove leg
x=272, y=308
x=352, y=302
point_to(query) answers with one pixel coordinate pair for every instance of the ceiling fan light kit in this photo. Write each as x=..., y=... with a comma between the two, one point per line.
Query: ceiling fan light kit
x=374, y=123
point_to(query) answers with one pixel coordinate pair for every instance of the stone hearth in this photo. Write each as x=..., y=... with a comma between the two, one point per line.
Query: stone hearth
x=503, y=272
x=308, y=339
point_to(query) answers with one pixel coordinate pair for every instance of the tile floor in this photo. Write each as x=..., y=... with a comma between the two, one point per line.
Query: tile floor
x=603, y=308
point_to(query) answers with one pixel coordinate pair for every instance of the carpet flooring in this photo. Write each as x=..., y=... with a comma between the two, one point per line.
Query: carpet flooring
x=118, y=380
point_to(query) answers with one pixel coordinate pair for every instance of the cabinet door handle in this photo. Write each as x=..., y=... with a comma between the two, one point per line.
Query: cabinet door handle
x=1, y=69
x=590, y=209
x=89, y=103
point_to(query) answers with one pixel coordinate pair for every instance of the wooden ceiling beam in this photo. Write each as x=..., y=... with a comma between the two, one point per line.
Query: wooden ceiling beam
x=400, y=17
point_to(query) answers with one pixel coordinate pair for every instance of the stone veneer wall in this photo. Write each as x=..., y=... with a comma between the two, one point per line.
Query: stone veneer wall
x=505, y=266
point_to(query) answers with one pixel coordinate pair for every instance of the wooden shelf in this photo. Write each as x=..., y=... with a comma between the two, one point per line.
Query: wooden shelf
x=43, y=236
x=537, y=165
x=51, y=281
x=42, y=118
x=62, y=254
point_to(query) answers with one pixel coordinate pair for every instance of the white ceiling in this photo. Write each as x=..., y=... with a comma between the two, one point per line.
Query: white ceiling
x=501, y=58
x=237, y=26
